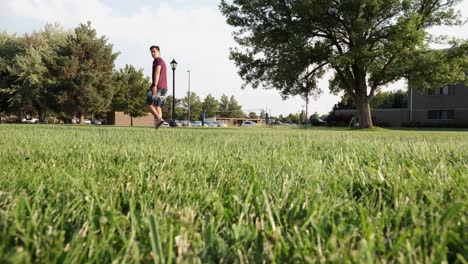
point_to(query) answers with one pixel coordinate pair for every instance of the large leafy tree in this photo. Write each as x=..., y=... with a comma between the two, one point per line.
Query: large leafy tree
x=28, y=64
x=367, y=44
x=30, y=80
x=9, y=48
x=34, y=67
x=86, y=65
x=131, y=86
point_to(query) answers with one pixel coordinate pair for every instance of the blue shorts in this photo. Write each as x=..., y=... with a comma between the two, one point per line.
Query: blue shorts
x=157, y=99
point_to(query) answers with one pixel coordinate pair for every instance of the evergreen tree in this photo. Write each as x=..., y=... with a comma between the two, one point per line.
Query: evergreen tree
x=210, y=106
x=223, y=108
x=196, y=106
x=86, y=65
x=235, y=110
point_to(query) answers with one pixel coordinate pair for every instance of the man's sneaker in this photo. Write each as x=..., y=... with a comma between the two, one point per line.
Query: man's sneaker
x=156, y=122
x=160, y=123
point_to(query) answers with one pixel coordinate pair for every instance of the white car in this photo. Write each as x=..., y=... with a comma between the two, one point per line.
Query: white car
x=248, y=124
x=211, y=124
x=195, y=123
x=30, y=120
x=221, y=124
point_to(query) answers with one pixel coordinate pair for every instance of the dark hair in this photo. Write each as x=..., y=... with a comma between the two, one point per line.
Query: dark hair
x=155, y=47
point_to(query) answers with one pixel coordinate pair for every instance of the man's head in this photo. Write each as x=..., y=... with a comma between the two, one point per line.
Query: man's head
x=155, y=51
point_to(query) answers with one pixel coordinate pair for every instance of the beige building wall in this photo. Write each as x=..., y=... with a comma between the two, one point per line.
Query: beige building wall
x=121, y=119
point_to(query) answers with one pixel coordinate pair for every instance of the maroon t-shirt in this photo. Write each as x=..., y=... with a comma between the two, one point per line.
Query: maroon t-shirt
x=162, y=83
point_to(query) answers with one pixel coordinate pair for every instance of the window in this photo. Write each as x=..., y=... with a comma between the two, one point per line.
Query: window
x=433, y=114
x=441, y=114
x=450, y=114
x=451, y=90
x=444, y=90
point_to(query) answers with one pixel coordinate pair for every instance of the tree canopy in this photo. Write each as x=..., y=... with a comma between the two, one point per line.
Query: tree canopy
x=87, y=63
x=366, y=44
x=130, y=87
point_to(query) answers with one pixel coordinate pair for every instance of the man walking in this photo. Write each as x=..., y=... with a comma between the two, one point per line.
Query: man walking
x=156, y=95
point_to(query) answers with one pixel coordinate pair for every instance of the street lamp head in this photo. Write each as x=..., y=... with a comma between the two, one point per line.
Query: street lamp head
x=173, y=64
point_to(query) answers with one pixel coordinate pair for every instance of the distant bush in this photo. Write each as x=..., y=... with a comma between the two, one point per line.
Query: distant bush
x=338, y=120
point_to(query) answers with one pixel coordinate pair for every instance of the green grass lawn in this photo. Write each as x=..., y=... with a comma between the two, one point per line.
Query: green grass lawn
x=75, y=194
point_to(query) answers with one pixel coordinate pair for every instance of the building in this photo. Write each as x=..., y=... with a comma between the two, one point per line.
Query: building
x=122, y=119
x=443, y=106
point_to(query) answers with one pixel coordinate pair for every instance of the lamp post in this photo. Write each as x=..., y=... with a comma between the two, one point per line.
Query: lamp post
x=303, y=116
x=188, y=100
x=173, y=66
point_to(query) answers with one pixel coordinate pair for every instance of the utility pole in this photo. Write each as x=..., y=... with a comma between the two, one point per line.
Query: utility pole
x=188, y=99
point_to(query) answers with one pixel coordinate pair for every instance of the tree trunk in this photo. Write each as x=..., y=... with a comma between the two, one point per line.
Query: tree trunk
x=40, y=110
x=364, y=113
x=41, y=115
x=81, y=119
x=20, y=116
x=131, y=120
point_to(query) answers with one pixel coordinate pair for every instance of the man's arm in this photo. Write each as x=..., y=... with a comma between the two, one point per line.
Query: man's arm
x=156, y=74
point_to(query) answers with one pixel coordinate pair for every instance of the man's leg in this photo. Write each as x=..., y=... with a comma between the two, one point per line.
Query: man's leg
x=158, y=109
x=160, y=120
x=152, y=109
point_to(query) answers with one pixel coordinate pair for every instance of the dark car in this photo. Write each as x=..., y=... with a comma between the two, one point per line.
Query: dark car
x=318, y=122
x=278, y=123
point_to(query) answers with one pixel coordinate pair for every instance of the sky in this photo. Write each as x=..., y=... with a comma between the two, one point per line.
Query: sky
x=193, y=32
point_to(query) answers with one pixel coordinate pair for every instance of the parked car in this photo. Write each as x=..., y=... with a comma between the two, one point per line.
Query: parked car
x=221, y=124
x=184, y=123
x=278, y=123
x=318, y=122
x=96, y=122
x=195, y=123
x=248, y=124
x=165, y=124
x=30, y=120
x=211, y=124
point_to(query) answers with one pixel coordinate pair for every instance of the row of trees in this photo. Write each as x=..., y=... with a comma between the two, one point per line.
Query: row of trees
x=212, y=107
x=382, y=100
x=69, y=73
x=72, y=73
